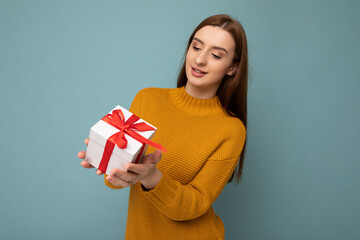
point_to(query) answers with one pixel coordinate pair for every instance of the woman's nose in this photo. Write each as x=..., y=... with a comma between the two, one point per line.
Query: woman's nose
x=201, y=58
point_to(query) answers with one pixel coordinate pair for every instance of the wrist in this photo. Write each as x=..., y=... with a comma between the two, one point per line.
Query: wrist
x=150, y=182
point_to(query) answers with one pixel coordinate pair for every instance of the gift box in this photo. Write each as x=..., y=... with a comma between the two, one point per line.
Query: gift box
x=117, y=139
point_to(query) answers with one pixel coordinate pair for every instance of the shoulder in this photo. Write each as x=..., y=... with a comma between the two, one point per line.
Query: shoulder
x=232, y=139
x=149, y=98
x=236, y=131
x=233, y=126
x=153, y=93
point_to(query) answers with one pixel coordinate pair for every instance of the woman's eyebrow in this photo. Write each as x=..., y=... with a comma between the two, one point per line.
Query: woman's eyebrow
x=220, y=48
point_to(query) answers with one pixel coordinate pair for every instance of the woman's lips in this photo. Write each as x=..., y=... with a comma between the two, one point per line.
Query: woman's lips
x=197, y=74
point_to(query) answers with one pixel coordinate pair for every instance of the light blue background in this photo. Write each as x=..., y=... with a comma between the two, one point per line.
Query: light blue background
x=64, y=64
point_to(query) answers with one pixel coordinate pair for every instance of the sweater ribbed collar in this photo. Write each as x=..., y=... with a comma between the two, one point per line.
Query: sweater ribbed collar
x=195, y=106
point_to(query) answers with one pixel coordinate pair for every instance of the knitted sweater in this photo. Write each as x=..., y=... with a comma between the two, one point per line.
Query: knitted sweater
x=203, y=146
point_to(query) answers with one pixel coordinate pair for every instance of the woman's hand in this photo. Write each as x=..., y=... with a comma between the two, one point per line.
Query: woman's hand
x=84, y=163
x=144, y=172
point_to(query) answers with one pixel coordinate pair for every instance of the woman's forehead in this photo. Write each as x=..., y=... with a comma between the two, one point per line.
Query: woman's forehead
x=215, y=36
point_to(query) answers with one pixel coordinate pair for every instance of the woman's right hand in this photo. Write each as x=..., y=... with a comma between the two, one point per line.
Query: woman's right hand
x=84, y=163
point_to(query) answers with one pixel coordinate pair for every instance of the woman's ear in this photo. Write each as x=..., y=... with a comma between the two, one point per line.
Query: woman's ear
x=231, y=70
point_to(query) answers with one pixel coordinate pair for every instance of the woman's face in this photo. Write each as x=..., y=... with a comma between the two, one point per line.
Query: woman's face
x=209, y=58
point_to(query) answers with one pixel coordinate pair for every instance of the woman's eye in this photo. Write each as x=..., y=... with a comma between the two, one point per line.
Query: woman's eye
x=195, y=48
x=216, y=56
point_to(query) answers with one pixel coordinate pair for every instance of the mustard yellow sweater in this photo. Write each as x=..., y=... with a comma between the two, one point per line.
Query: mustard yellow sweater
x=203, y=146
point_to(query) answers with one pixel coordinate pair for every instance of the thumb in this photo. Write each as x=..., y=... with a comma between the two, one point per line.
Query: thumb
x=157, y=156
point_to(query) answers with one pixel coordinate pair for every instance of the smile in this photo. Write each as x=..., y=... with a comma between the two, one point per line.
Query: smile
x=198, y=70
x=197, y=73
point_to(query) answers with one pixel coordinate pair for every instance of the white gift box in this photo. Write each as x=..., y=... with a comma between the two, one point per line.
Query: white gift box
x=101, y=131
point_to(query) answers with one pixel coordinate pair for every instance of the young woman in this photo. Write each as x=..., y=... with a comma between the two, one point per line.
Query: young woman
x=202, y=124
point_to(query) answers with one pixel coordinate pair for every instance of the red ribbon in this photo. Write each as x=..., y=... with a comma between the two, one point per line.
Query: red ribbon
x=117, y=119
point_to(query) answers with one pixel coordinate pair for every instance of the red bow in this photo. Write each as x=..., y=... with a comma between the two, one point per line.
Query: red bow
x=117, y=119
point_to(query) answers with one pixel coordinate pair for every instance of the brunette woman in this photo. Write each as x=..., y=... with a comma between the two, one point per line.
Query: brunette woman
x=202, y=124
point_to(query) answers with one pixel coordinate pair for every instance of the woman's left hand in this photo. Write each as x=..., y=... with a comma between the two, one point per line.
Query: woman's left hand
x=144, y=172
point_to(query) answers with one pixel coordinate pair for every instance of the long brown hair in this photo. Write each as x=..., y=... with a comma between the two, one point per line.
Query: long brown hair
x=232, y=91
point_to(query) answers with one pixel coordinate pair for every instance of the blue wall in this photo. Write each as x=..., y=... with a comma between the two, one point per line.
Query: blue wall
x=63, y=64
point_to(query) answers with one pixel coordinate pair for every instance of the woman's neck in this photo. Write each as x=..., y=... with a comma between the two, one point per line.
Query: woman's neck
x=201, y=92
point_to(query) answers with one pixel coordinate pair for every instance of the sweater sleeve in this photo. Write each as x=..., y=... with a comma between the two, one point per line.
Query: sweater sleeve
x=135, y=109
x=184, y=202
